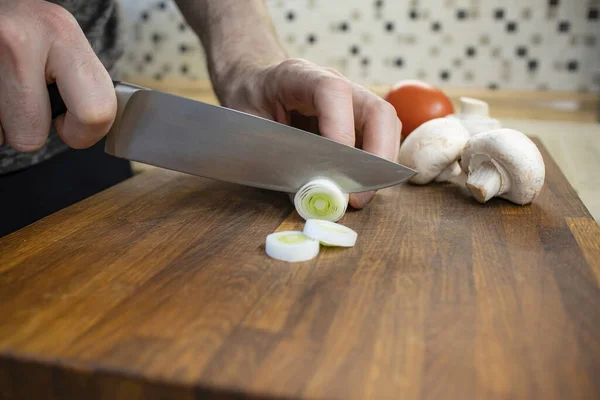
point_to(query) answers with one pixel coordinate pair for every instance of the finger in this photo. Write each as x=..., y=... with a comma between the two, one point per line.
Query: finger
x=85, y=87
x=379, y=128
x=24, y=104
x=333, y=104
x=313, y=91
x=378, y=124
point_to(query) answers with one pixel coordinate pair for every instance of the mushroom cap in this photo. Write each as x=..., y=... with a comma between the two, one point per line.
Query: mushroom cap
x=432, y=147
x=475, y=126
x=521, y=161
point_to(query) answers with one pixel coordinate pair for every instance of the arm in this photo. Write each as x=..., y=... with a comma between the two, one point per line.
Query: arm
x=237, y=36
x=251, y=73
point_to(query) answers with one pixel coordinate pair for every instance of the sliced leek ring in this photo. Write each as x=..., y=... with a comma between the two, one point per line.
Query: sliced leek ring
x=291, y=246
x=321, y=199
x=330, y=233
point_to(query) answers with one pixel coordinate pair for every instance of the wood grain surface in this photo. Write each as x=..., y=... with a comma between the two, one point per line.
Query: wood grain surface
x=159, y=288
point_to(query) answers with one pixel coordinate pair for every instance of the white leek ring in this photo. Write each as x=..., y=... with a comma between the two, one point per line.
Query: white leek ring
x=330, y=233
x=291, y=246
x=321, y=199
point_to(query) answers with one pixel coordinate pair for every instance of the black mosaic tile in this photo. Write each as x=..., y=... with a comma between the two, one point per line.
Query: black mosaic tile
x=533, y=49
x=532, y=65
x=521, y=51
x=564, y=26
x=572, y=66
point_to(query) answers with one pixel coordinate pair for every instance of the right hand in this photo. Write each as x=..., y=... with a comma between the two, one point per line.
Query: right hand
x=42, y=43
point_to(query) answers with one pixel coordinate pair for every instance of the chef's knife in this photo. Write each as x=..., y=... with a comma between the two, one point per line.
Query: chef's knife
x=215, y=142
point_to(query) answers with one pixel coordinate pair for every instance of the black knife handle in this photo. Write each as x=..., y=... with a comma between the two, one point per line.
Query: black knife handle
x=57, y=105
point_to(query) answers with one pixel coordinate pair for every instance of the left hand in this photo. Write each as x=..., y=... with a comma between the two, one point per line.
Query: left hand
x=299, y=93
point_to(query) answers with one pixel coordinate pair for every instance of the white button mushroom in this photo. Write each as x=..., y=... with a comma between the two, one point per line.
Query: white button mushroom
x=433, y=150
x=475, y=116
x=503, y=163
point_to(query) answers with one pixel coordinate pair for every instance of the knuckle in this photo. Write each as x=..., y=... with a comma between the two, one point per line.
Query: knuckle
x=13, y=40
x=10, y=33
x=25, y=143
x=289, y=65
x=387, y=108
x=60, y=21
x=295, y=62
x=26, y=131
x=380, y=106
x=334, y=84
x=334, y=72
x=98, y=114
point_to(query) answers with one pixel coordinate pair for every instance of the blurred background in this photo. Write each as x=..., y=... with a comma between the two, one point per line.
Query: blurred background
x=536, y=62
x=536, y=45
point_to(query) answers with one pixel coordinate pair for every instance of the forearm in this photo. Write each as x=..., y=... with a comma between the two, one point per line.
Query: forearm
x=237, y=36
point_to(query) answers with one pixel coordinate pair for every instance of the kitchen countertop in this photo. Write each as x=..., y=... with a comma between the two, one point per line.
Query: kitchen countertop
x=566, y=123
x=160, y=288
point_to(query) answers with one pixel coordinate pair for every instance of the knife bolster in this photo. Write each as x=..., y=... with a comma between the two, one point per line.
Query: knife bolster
x=124, y=91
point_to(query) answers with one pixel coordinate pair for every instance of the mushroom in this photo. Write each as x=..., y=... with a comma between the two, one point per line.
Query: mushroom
x=475, y=116
x=503, y=163
x=433, y=150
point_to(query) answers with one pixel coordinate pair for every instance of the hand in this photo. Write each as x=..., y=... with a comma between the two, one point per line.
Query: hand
x=344, y=111
x=41, y=43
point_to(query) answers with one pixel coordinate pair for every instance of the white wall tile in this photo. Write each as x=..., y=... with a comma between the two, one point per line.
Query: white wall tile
x=553, y=59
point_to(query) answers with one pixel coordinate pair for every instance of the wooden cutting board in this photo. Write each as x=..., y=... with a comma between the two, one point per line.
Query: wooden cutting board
x=159, y=288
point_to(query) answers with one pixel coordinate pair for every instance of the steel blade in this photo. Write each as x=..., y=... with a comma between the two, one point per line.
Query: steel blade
x=214, y=142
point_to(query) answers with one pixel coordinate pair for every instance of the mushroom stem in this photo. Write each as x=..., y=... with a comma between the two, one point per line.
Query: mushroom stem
x=449, y=172
x=485, y=182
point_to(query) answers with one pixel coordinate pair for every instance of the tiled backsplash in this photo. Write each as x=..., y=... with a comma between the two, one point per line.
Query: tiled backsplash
x=516, y=44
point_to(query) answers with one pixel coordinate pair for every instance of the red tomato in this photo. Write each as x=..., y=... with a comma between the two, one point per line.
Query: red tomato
x=417, y=102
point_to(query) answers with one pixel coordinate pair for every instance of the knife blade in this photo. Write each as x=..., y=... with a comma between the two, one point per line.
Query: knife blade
x=215, y=142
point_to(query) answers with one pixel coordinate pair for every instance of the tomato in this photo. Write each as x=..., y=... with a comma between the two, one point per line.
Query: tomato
x=417, y=102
